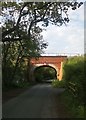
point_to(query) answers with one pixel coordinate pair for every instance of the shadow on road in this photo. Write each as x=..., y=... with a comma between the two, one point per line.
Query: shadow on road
x=39, y=101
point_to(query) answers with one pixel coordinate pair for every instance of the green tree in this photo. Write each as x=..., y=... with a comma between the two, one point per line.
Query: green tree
x=21, y=33
x=22, y=18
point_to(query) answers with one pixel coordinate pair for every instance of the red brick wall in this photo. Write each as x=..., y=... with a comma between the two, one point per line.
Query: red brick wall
x=48, y=60
x=55, y=60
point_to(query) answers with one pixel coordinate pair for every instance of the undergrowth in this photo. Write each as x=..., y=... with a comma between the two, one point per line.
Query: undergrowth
x=72, y=105
x=74, y=72
x=57, y=83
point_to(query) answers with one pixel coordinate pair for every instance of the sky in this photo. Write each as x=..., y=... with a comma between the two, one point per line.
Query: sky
x=66, y=39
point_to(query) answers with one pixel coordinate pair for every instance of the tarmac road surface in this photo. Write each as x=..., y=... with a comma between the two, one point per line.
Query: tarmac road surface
x=38, y=101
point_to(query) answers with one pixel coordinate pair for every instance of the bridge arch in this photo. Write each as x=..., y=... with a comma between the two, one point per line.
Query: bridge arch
x=55, y=62
x=37, y=66
x=45, y=74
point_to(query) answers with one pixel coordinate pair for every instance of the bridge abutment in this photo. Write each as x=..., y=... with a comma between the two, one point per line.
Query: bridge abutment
x=60, y=71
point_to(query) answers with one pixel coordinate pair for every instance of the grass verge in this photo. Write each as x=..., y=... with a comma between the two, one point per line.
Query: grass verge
x=72, y=105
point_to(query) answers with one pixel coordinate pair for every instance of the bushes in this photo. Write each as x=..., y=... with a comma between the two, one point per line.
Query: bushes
x=71, y=104
x=59, y=84
x=74, y=68
x=21, y=85
x=74, y=72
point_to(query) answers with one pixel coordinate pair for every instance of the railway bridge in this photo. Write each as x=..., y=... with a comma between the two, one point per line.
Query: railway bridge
x=56, y=62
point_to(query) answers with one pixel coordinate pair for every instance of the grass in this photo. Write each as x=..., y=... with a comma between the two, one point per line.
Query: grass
x=72, y=104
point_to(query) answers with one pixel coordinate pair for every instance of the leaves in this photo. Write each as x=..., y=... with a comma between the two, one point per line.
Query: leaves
x=24, y=13
x=74, y=72
x=21, y=34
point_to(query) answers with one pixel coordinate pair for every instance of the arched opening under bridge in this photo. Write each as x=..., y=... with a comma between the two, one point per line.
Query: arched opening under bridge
x=55, y=62
x=45, y=73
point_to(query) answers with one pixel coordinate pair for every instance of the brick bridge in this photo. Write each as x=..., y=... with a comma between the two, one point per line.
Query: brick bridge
x=55, y=62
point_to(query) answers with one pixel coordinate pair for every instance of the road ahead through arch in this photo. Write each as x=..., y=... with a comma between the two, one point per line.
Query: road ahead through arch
x=37, y=102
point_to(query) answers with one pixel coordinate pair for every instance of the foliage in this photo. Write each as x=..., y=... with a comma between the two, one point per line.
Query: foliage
x=58, y=84
x=74, y=72
x=44, y=73
x=22, y=84
x=20, y=20
x=21, y=33
x=11, y=60
x=76, y=110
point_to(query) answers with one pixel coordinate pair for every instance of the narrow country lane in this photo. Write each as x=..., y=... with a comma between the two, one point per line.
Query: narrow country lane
x=37, y=102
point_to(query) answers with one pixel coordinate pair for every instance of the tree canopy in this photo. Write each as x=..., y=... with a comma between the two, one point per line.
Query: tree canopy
x=20, y=20
x=21, y=32
x=23, y=17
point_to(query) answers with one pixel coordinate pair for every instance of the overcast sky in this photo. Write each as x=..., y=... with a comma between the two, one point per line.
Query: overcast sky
x=67, y=39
